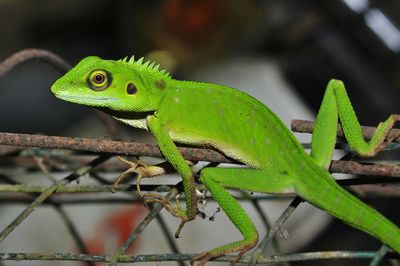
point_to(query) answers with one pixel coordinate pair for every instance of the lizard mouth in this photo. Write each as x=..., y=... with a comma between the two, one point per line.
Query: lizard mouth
x=87, y=99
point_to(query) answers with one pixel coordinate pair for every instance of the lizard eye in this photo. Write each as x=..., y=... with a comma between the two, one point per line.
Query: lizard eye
x=99, y=80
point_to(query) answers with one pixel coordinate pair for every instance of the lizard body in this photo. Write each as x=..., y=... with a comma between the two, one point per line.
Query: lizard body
x=241, y=127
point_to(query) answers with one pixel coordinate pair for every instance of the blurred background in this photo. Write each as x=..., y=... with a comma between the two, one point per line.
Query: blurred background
x=282, y=52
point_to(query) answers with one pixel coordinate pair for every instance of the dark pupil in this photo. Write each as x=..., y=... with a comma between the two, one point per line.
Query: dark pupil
x=98, y=78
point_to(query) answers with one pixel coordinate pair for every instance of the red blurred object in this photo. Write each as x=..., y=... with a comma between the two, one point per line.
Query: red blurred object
x=113, y=230
x=192, y=20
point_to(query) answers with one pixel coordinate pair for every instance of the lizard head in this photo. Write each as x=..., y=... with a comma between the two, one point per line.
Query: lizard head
x=123, y=85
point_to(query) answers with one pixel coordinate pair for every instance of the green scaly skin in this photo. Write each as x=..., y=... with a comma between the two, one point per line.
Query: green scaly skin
x=211, y=115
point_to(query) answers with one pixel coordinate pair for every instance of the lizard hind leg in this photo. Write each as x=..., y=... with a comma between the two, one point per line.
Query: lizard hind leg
x=336, y=104
x=217, y=180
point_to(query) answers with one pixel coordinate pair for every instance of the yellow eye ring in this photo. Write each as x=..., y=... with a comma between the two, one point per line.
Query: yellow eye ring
x=99, y=80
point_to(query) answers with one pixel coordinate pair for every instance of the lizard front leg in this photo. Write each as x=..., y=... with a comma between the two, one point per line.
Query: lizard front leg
x=172, y=154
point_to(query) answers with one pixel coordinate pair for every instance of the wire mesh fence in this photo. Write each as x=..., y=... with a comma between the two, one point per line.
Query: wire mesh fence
x=51, y=154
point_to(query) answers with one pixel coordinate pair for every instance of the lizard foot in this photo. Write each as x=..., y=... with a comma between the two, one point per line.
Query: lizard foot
x=156, y=198
x=141, y=169
x=175, y=211
x=391, y=138
x=241, y=247
x=389, y=135
x=202, y=259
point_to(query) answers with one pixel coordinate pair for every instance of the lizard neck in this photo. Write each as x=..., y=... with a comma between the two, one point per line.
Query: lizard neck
x=126, y=115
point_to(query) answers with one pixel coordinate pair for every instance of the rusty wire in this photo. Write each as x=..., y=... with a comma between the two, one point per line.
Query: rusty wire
x=102, y=146
x=33, y=54
x=306, y=256
x=16, y=151
x=304, y=126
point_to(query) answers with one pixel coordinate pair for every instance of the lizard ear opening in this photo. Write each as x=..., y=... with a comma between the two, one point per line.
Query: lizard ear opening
x=131, y=89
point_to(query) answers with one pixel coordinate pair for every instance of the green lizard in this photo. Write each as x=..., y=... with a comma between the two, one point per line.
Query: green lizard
x=234, y=123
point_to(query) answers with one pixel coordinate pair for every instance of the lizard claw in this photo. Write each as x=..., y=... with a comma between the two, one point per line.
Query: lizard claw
x=156, y=198
x=179, y=229
x=387, y=142
x=202, y=259
x=176, y=211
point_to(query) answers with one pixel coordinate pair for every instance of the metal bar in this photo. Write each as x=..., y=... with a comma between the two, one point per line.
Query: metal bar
x=115, y=258
x=193, y=154
x=106, y=146
x=50, y=190
x=361, y=186
x=257, y=254
x=33, y=54
x=379, y=255
x=65, y=256
x=64, y=216
x=72, y=230
x=167, y=234
x=305, y=126
x=267, y=225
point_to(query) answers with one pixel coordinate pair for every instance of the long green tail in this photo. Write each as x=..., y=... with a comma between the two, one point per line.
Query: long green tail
x=319, y=188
